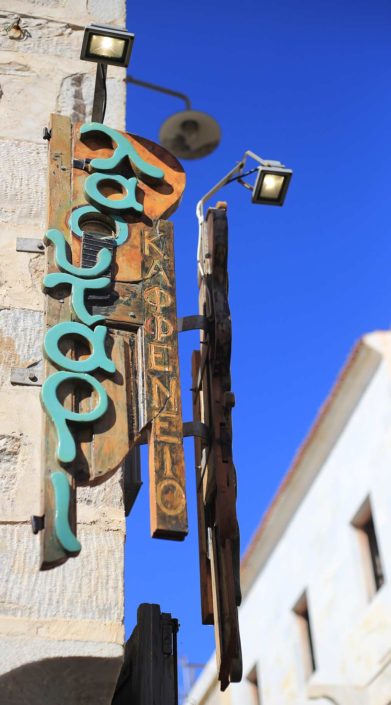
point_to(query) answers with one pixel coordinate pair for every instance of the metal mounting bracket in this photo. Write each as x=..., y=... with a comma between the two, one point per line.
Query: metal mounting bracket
x=26, y=376
x=30, y=244
x=192, y=323
x=37, y=523
x=83, y=164
x=196, y=428
x=189, y=428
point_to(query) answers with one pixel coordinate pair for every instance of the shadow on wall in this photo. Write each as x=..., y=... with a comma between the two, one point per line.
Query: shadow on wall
x=61, y=681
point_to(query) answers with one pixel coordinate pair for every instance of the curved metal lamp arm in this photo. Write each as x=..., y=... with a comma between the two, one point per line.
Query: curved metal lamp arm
x=159, y=89
x=238, y=169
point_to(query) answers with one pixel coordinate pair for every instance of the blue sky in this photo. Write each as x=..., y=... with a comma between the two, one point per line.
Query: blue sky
x=306, y=82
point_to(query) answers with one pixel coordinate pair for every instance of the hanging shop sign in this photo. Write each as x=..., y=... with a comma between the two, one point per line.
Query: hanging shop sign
x=111, y=374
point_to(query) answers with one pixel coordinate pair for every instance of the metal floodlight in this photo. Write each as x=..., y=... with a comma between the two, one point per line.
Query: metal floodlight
x=271, y=185
x=107, y=45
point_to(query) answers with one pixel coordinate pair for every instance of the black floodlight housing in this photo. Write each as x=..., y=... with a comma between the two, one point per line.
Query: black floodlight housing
x=107, y=45
x=271, y=185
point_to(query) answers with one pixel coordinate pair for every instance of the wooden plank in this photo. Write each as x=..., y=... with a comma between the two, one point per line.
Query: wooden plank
x=163, y=410
x=206, y=408
x=216, y=477
x=111, y=440
x=205, y=566
x=57, y=309
x=149, y=674
x=227, y=636
x=128, y=260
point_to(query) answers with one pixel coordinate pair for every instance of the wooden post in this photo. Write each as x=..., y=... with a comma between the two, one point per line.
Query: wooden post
x=215, y=472
x=57, y=309
x=149, y=675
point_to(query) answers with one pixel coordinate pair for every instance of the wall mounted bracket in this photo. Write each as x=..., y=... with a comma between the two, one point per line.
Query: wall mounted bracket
x=30, y=244
x=27, y=376
x=196, y=322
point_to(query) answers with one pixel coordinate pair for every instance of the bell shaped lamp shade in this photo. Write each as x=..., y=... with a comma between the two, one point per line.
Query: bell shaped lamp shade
x=190, y=134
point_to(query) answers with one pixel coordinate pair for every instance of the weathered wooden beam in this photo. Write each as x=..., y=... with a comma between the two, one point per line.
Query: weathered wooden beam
x=163, y=408
x=149, y=674
x=57, y=310
x=204, y=562
x=215, y=472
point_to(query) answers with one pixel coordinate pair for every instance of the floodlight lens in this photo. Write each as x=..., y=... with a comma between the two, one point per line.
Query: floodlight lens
x=271, y=186
x=107, y=47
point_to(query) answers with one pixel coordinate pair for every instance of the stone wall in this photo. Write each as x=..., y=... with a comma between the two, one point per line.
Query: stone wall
x=61, y=631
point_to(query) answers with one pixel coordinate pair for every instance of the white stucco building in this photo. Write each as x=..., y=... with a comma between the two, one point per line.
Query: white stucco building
x=316, y=611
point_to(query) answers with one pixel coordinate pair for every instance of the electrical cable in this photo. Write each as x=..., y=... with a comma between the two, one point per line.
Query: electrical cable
x=103, y=71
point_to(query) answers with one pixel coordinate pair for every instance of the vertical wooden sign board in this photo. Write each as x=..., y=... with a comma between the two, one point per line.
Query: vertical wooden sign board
x=111, y=368
x=215, y=472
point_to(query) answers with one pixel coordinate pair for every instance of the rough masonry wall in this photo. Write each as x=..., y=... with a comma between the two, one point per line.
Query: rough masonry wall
x=61, y=631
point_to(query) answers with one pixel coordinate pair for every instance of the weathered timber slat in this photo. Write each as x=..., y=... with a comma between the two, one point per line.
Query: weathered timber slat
x=57, y=310
x=112, y=439
x=149, y=675
x=215, y=472
x=163, y=409
x=205, y=565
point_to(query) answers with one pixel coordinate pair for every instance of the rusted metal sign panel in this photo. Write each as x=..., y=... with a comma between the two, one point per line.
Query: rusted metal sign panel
x=111, y=370
x=213, y=400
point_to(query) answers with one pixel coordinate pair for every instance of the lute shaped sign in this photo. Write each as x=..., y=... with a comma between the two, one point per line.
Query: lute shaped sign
x=110, y=344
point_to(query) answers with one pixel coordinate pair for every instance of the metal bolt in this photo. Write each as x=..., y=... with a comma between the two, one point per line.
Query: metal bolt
x=229, y=399
x=132, y=315
x=41, y=246
x=33, y=377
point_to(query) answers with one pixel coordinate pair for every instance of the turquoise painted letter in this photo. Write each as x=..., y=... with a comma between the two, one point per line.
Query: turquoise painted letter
x=66, y=448
x=123, y=150
x=62, y=528
x=96, y=340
